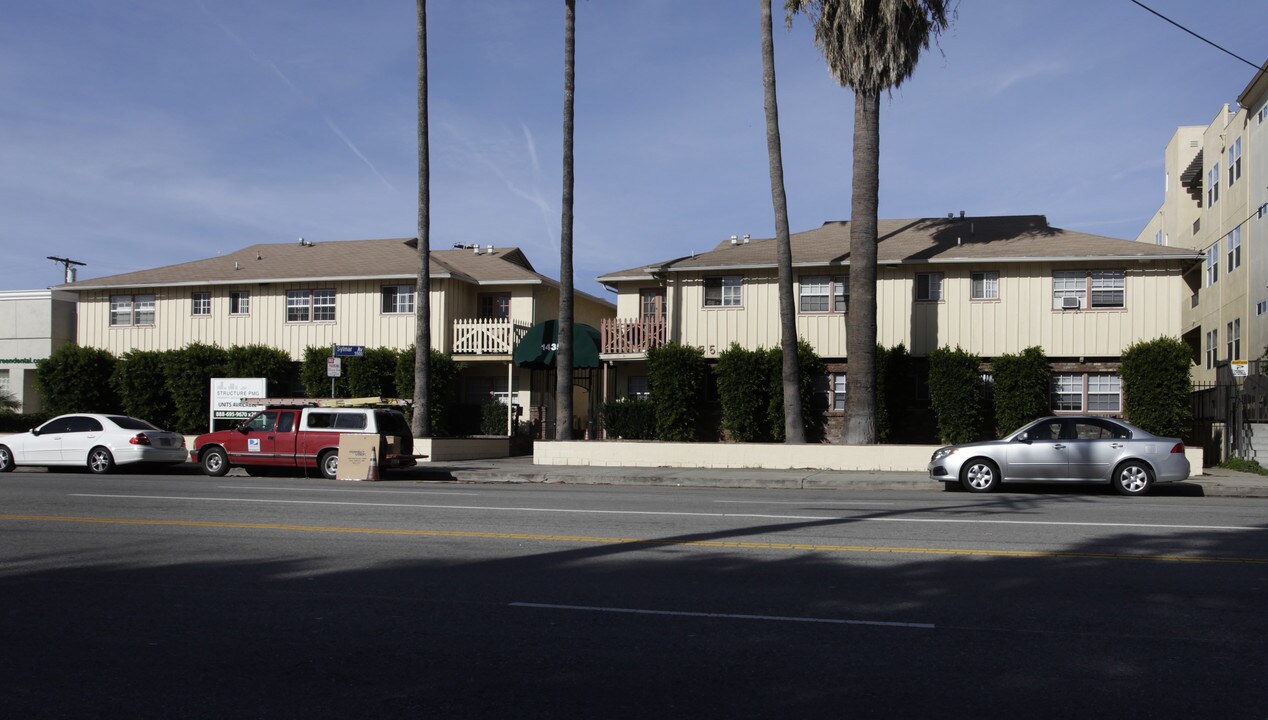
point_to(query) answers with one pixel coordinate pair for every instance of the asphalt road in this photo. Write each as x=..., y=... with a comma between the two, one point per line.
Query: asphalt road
x=170, y=597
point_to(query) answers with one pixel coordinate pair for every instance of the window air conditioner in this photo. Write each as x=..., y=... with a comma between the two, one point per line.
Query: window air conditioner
x=1069, y=303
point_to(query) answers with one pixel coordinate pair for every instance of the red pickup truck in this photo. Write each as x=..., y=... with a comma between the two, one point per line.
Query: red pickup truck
x=280, y=438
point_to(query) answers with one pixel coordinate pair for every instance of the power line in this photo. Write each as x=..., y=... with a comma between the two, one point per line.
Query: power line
x=1199, y=37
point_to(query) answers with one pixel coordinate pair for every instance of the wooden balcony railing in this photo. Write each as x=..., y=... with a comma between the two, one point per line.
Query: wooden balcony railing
x=631, y=336
x=473, y=336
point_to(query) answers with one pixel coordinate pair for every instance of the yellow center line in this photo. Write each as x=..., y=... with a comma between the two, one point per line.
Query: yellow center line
x=598, y=540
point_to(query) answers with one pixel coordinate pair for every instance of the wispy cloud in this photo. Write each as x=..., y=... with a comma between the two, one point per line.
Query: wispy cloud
x=285, y=80
x=1027, y=72
x=504, y=172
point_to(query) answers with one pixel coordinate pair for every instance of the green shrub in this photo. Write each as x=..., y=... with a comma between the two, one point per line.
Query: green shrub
x=955, y=391
x=1156, y=387
x=21, y=422
x=676, y=379
x=895, y=391
x=188, y=373
x=77, y=379
x=444, y=387
x=750, y=389
x=262, y=361
x=312, y=375
x=1022, y=386
x=630, y=419
x=140, y=380
x=373, y=375
x=493, y=417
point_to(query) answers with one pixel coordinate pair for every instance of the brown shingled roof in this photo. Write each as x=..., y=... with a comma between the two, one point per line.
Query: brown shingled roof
x=336, y=260
x=1012, y=238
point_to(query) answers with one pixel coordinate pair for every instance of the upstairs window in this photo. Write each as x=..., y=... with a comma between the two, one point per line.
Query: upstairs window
x=1235, y=249
x=1212, y=348
x=1234, y=161
x=201, y=304
x=128, y=310
x=1234, y=333
x=1213, y=185
x=1069, y=289
x=310, y=305
x=323, y=306
x=929, y=287
x=1212, y=265
x=821, y=294
x=494, y=306
x=398, y=299
x=723, y=291
x=984, y=285
x=240, y=302
x=1108, y=288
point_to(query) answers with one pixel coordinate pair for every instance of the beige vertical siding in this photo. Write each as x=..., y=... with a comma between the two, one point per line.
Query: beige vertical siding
x=1022, y=316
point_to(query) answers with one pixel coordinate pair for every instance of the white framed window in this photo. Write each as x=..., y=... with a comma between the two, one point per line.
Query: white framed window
x=1109, y=288
x=323, y=306
x=821, y=294
x=1067, y=392
x=1069, y=289
x=1234, y=334
x=298, y=305
x=1212, y=264
x=1213, y=185
x=929, y=287
x=201, y=303
x=984, y=285
x=1212, y=348
x=398, y=299
x=1087, y=392
x=1261, y=307
x=1235, y=248
x=1234, y=161
x=838, y=391
x=723, y=291
x=240, y=302
x=1104, y=393
x=128, y=310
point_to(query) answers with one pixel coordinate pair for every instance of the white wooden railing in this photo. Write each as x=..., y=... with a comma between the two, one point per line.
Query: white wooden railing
x=473, y=336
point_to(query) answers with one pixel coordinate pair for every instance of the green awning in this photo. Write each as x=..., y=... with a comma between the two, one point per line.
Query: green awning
x=537, y=349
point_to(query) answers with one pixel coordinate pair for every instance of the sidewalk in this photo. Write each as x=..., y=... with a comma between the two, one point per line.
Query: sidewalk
x=1214, y=482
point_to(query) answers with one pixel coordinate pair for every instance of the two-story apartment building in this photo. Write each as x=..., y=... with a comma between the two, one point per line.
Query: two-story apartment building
x=1215, y=201
x=293, y=296
x=990, y=285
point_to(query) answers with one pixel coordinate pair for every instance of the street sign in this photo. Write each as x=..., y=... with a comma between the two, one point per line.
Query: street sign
x=334, y=367
x=343, y=351
x=1240, y=368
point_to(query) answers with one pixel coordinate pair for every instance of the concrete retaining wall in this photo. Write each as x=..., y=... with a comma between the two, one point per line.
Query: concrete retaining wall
x=862, y=458
x=469, y=448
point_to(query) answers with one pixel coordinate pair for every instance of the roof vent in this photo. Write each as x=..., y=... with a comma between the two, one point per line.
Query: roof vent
x=962, y=214
x=488, y=249
x=734, y=239
x=236, y=266
x=950, y=215
x=476, y=248
x=305, y=243
x=746, y=238
x=258, y=256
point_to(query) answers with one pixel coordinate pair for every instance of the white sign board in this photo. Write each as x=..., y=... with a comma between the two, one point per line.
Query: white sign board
x=227, y=395
x=1240, y=368
x=334, y=367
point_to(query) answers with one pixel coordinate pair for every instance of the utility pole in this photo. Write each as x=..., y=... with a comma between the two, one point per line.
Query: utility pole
x=68, y=266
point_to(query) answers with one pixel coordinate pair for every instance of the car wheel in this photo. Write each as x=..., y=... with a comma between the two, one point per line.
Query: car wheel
x=980, y=475
x=6, y=459
x=100, y=461
x=214, y=462
x=330, y=465
x=1132, y=478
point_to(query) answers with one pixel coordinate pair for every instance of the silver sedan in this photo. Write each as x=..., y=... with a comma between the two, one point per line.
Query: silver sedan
x=1065, y=449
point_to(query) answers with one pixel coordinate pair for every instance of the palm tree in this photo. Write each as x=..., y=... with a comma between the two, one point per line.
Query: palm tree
x=563, y=355
x=794, y=426
x=421, y=422
x=869, y=46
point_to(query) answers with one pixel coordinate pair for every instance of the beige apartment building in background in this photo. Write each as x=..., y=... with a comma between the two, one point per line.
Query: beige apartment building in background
x=1215, y=201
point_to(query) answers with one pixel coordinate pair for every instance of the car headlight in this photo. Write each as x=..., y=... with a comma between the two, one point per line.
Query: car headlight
x=941, y=453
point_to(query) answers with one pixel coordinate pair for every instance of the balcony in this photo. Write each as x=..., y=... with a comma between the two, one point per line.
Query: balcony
x=622, y=337
x=482, y=336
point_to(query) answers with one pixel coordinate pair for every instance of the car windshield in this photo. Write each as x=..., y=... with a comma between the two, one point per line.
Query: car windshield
x=130, y=423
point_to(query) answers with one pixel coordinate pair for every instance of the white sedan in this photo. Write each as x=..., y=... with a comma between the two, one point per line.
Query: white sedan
x=98, y=442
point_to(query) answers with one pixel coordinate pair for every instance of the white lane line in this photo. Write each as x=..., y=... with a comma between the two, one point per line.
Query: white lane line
x=803, y=502
x=346, y=490
x=665, y=513
x=724, y=616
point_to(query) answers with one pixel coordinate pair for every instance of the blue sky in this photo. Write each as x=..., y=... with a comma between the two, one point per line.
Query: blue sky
x=152, y=132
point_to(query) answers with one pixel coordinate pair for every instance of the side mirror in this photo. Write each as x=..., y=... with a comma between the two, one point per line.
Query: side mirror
x=1023, y=437
x=35, y=432
x=242, y=429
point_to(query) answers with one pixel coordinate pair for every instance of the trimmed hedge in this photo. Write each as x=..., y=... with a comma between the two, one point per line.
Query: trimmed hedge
x=630, y=419
x=189, y=372
x=1022, y=384
x=955, y=391
x=1156, y=389
x=750, y=400
x=77, y=379
x=444, y=387
x=676, y=379
x=140, y=380
x=262, y=361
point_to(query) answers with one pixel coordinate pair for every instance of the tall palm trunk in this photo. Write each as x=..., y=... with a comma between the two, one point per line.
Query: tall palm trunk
x=563, y=356
x=860, y=341
x=794, y=424
x=421, y=423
